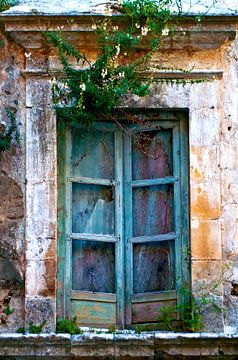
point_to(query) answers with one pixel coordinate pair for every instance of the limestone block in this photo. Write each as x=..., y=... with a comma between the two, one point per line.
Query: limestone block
x=163, y=96
x=205, y=201
x=38, y=92
x=36, y=59
x=88, y=345
x=205, y=182
x=229, y=136
x=204, y=127
x=204, y=163
x=230, y=231
x=229, y=188
x=206, y=239
x=41, y=145
x=176, y=349
x=41, y=161
x=35, y=346
x=207, y=277
x=42, y=241
x=205, y=96
x=39, y=309
x=41, y=203
x=134, y=346
x=41, y=278
x=229, y=151
x=41, y=125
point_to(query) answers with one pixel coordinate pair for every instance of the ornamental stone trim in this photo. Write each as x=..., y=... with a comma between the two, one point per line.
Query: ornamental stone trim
x=150, y=345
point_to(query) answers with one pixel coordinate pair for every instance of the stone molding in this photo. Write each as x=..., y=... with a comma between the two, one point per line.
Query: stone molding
x=154, y=345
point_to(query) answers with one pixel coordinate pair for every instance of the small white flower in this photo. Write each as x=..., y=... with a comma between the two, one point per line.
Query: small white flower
x=82, y=87
x=104, y=73
x=125, y=53
x=115, y=28
x=105, y=27
x=117, y=50
x=137, y=25
x=53, y=80
x=165, y=32
x=121, y=74
x=94, y=26
x=60, y=27
x=144, y=30
x=28, y=55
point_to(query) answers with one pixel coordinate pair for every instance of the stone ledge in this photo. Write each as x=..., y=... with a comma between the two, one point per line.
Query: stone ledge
x=147, y=345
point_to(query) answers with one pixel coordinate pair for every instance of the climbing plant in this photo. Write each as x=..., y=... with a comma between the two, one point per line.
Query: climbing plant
x=125, y=46
x=9, y=134
x=6, y=4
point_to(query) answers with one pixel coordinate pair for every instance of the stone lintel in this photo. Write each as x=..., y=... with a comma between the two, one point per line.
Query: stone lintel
x=27, y=31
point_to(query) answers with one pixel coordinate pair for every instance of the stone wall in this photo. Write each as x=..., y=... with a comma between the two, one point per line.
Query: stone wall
x=28, y=173
x=12, y=192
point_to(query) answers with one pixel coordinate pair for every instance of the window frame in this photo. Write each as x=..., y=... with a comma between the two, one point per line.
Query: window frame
x=176, y=120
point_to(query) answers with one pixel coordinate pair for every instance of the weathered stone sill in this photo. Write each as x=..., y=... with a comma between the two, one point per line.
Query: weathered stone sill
x=154, y=345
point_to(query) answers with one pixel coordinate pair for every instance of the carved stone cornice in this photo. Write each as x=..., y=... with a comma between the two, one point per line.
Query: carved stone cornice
x=27, y=31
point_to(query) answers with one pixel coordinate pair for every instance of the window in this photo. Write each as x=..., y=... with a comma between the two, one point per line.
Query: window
x=123, y=220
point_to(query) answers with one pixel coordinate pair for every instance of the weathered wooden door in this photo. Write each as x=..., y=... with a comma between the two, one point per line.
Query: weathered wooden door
x=122, y=243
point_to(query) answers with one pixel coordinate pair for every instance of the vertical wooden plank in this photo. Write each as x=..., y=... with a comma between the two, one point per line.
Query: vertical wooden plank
x=177, y=210
x=184, y=150
x=128, y=225
x=61, y=143
x=68, y=223
x=119, y=223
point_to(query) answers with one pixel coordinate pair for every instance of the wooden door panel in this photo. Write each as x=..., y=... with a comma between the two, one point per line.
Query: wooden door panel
x=92, y=209
x=93, y=266
x=93, y=154
x=153, y=260
x=93, y=245
x=152, y=154
x=152, y=210
x=93, y=313
x=153, y=267
x=148, y=312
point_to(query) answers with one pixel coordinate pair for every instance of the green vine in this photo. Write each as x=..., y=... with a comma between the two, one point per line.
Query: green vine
x=190, y=313
x=9, y=135
x=6, y=4
x=124, y=53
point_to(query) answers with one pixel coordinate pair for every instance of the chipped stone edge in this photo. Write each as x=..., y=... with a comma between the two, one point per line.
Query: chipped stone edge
x=126, y=334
